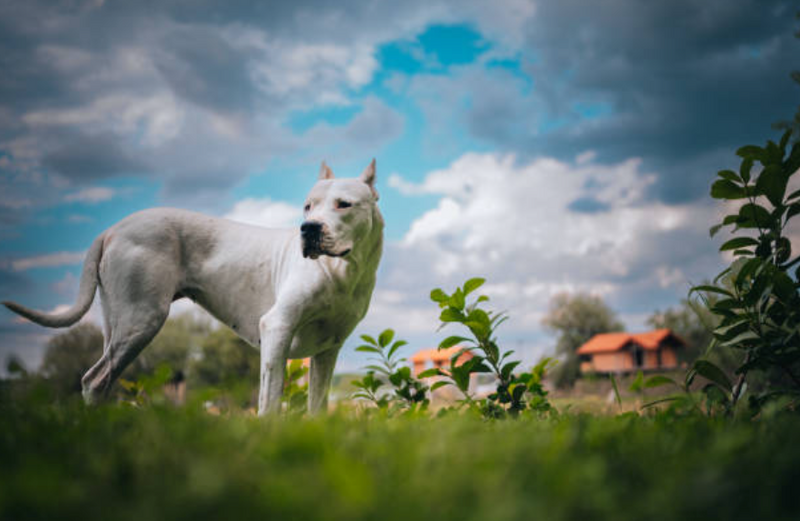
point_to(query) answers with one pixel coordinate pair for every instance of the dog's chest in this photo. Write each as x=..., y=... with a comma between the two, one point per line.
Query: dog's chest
x=329, y=325
x=322, y=334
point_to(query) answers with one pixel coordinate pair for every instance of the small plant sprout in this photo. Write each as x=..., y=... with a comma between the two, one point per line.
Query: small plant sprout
x=512, y=389
x=408, y=392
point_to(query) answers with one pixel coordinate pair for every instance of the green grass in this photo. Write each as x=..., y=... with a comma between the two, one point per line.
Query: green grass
x=118, y=462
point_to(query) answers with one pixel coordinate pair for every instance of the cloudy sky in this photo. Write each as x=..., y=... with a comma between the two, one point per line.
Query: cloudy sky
x=547, y=146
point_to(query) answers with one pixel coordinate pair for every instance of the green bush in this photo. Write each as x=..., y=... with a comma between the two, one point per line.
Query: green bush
x=758, y=296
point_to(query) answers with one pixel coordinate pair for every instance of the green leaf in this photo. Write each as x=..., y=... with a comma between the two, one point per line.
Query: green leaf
x=724, y=189
x=451, y=315
x=396, y=378
x=746, y=271
x=730, y=175
x=794, y=209
x=739, y=339
x=507, y=369
x=711, y=289
x=397, y=345
x=440, y=383
x=785, y=140
x=750, y=151
x=368, y=349
x=637, y=383
x=773, y=154
x=431, y=372
x=753, y=216
x=452, y=340
x=772, y=183
x=726, y=305
x=437, y=295
x=460, y=376
x=479, y=316
x=473, y=284
x=368, y=339
x=711, y=372
x=784, y=287
x=377, y=369
x=714, y=229
x=744, y=169
x=386, y=337
x=482, y=298
x=457, y=300
x=738, y=242
x=732, y=330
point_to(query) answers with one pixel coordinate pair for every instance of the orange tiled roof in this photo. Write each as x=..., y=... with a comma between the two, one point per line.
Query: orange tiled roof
x=609, y=342
x=436, y=355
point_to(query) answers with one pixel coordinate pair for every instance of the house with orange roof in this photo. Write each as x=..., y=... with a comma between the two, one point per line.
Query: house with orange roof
x=628, y=352
x=439, y=358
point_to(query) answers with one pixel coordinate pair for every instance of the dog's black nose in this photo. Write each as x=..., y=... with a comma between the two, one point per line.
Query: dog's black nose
x=310, y=229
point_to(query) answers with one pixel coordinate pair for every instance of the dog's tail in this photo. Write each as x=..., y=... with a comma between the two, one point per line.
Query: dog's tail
x=86, y=292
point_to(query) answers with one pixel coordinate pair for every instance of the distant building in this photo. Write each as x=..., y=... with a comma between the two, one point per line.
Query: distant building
x=627, y=352
x=439, y=358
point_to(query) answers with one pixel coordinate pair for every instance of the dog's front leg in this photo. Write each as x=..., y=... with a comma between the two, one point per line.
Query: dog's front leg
x=276, y=330
x=319, y=384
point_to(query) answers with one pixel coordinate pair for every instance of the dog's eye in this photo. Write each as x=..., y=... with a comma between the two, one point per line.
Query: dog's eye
x=343, y=204
x=307, y=207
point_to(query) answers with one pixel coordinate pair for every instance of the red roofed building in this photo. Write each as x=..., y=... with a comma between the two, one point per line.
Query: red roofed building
x=626, y=352
x=440, y=358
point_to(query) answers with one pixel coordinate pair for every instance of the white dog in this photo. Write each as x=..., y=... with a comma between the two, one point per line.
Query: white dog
x=294, y=293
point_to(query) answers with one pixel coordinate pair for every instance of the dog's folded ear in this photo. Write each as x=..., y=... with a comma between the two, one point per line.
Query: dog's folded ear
x=368, y=176
x=325, y=171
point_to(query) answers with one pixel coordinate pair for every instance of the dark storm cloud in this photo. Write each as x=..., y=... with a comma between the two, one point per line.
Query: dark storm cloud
x=201, y=67
x=97, y=89
x=685, y=81
x=83, y=158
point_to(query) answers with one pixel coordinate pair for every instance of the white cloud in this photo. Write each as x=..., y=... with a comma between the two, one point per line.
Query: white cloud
x=511, y=222
x=50, y=260
x=96, y=194
x=265, y=212
x=492, y=209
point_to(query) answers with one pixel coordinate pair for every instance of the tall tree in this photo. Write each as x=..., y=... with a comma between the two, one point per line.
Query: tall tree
x=576, y=318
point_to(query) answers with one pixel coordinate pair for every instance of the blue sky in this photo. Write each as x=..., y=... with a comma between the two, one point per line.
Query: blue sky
x=548, y=146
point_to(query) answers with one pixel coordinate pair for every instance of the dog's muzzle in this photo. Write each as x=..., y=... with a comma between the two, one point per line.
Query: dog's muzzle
x=311, y=235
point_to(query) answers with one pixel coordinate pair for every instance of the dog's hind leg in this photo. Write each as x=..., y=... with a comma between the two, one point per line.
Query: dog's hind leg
x=126, y=340
x=135, y=307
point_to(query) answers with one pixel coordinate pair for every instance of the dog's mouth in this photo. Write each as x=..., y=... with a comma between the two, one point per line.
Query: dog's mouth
x=314, y=249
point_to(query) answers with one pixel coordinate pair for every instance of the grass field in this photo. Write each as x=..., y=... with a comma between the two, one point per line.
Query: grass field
x=120, y=462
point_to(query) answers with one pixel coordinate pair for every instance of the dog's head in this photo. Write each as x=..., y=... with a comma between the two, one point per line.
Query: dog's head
x=338, y=213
